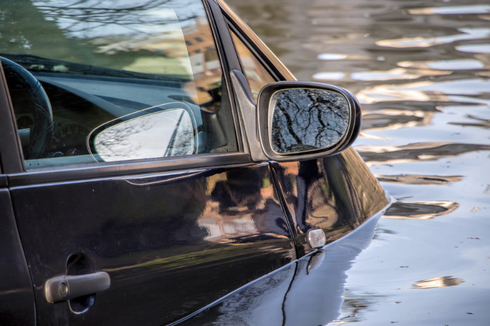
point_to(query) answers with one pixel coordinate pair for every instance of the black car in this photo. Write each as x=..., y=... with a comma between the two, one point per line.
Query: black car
x=159, y=165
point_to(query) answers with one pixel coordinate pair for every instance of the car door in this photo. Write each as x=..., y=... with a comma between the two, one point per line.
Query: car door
x=139, y=187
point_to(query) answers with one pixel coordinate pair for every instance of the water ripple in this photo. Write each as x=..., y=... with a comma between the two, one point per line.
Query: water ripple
x=461, y=64
x=451, y=10
x=437, y=282
x=410, y=42
x=474, y=48
x=420, y=210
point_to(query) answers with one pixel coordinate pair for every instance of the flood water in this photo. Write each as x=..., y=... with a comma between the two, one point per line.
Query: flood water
x=421, y=72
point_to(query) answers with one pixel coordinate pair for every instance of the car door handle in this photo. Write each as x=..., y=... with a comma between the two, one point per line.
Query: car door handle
x=67, y=287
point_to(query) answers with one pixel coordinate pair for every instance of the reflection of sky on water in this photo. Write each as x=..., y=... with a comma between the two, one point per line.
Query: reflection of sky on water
x=329, y=75
x=451, y=10
x=331, y=56
x=423, y=91
x=395, y=73
x=408, y=42
x=462, y=64
x=474, y=48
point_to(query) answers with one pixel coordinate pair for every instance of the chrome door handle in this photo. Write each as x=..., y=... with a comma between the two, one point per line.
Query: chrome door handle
x=67, y=287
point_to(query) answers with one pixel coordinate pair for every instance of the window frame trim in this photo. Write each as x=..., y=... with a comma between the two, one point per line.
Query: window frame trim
x=11, y=156
x=73, y=173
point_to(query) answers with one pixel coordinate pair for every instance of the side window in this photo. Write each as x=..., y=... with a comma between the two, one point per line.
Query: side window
x=256, y=74
x=114, y=83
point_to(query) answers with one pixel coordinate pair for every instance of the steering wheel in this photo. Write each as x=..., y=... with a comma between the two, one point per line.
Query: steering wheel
x=28, y=95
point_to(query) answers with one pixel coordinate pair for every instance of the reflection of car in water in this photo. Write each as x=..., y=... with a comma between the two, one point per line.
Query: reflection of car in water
x=157, y=160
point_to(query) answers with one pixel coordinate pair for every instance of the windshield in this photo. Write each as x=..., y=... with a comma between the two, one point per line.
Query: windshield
x=136, y=36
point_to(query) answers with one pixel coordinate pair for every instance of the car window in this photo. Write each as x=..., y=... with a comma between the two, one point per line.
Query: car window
x=256, y=74
x=99, y=81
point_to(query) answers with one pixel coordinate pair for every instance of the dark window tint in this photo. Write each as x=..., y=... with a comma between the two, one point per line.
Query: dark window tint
x=114, y=83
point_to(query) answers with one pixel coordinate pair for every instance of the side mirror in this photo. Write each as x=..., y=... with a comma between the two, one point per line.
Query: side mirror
x=305, y=120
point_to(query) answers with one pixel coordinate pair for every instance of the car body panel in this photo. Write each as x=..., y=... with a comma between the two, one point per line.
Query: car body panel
x=308, y=291
x=195, y=235
x=16, y=298
x=337, y=194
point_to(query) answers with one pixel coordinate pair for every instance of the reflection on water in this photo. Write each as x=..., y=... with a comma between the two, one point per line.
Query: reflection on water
x=416, y=152
x=420, y=210
x=451, y=10
x=331, y=56
x=474, y=48
x=412, y=179
x=437, y=282
x=329, y=75
x=483, y=123
x=423, y=91
x=354, y=306
x=410, y=42
x=421, y=72
x=396, y=73
x=463, y=64
x=395, y=119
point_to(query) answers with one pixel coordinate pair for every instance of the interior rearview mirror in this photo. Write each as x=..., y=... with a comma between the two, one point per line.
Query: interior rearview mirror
x=306, y=119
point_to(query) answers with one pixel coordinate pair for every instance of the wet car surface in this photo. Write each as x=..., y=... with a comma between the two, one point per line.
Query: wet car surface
x=420, y=70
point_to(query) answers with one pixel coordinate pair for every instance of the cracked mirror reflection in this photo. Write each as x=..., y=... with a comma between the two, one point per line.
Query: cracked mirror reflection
x=306, y=119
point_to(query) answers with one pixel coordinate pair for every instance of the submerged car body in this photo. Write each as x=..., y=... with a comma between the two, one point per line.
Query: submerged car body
x=110, y=219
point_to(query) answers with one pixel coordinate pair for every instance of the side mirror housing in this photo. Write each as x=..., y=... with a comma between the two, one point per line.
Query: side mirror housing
x=305, y=120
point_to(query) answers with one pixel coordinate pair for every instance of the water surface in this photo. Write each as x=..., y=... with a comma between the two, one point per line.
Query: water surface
x=421, y=72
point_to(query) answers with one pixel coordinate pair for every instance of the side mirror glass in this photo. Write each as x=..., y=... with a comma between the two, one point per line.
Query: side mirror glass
x=306, y=119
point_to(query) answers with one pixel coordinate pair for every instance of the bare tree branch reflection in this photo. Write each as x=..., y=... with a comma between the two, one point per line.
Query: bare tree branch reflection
x=306, y=119
x=84, y=15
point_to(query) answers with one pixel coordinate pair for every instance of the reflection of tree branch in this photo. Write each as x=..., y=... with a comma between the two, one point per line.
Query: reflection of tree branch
x=81, y=12
x=289, y=124
x=309, y=119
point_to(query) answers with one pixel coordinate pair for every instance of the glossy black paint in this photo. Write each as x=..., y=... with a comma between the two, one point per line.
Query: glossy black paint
x=172, y=243
x=336, y=194
x=306, y=292
x=16, y=298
